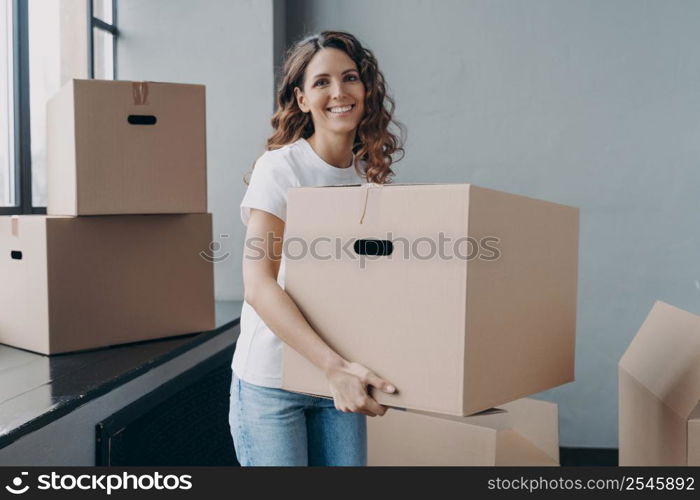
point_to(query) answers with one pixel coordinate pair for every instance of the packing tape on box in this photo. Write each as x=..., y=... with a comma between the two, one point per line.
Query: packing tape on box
x=139, y=91
x=366, y=188
x=14, y=225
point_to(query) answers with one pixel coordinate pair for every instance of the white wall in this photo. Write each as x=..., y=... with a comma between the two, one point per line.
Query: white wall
x=592, y=103
x=228, y=46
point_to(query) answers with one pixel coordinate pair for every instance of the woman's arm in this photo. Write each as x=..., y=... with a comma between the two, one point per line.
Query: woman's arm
x=348, y=381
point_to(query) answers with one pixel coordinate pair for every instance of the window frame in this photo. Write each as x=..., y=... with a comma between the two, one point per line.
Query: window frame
x=94, y=22
x=20, y=92
x=21, y=131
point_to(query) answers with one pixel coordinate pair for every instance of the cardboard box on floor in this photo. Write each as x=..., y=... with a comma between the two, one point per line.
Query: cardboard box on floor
x=521, y=433
x=74, y=283
x=659, y=391
x=118, y=147
x=456, y=336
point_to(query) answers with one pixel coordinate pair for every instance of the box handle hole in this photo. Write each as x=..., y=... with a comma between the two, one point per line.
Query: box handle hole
x=16, y=254
x=373, y=247
x=142, y=119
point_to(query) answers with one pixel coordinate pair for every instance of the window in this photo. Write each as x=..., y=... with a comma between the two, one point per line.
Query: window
x=7, y=163
x=45, y=44
x=103, y=39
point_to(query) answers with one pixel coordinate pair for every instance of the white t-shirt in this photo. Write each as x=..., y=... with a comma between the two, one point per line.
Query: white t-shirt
x=258, y=355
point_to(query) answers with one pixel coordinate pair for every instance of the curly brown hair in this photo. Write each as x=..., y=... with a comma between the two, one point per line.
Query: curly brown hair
x=374, y=142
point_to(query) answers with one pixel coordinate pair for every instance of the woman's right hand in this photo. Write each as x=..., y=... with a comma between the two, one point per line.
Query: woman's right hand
x=348, y=383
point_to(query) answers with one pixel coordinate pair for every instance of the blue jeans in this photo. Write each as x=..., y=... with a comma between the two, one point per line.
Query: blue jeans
x=281, y=428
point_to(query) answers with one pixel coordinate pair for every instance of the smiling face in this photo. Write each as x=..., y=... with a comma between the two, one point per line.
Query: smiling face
x=333, y=92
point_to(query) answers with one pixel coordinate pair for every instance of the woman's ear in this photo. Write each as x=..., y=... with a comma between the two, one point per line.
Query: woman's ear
x=301, y=100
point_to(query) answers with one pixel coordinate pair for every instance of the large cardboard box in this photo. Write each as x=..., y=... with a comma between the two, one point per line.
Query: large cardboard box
x=118, y=147
x=521, y=433
x=659, y=391
x=455, y=332
x=74, y=283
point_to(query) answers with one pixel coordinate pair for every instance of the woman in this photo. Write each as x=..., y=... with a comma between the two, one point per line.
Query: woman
x=330, y=128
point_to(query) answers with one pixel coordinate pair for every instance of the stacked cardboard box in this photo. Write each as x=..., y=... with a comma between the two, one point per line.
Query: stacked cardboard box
x=524, y=432
x=659, y=391
x=463, y=297
x=117, y=258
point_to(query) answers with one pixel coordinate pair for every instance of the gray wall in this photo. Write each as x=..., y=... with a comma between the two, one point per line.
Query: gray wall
x=595, y=104
x=589, y=103
x=228, y=46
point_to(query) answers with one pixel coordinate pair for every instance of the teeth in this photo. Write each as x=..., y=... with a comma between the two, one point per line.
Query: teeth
x=341, y=109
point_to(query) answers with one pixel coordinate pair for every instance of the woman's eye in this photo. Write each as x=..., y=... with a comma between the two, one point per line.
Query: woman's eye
x=324, y=81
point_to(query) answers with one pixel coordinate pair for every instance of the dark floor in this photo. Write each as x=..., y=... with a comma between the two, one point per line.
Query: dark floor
x=588, y=456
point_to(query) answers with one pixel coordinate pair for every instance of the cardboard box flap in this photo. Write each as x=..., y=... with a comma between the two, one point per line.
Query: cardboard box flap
x=650, y=431
x=694, y=437
x=538, y=422
x=513, y=450
x=695, y=414
x=495, y=418
x=664, y=357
